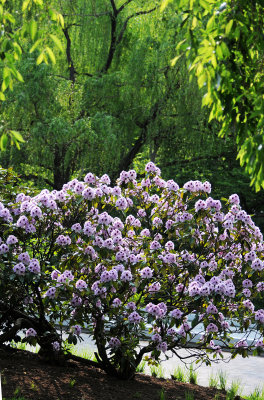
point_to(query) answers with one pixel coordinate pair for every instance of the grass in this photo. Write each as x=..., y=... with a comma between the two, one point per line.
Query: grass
x=25, y=346
x=162, y=395
x=189, y=396
x=14, y=398
x=222, y=380
x=258, y=394
x=141, y=367
x=157, y=372
x=72, y=382
x=234, y=390
x=213, y=381
x=193, y=376
x=179, y=375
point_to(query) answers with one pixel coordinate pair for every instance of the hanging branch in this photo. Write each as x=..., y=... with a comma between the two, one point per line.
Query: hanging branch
x=124, y=5
x=115, y=41
x=68, y=54
x=121, y=34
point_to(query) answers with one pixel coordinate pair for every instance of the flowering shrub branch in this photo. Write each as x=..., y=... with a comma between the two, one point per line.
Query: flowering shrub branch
x=131, y=262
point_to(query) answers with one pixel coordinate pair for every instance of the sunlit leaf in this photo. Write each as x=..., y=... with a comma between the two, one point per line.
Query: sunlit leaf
x=3, y=141
x=35, y=45
x=229, y=27
x=51, y=55
x=40, y=58
x=33, y=29
x=57, y=42
x=17, y=136
x=25, y=5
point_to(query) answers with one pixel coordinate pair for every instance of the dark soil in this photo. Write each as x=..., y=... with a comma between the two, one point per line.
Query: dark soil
x=25, y=375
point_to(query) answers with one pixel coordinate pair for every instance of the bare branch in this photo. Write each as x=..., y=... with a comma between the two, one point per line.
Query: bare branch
x=84, y=73
x=114, y=7
x=121, y=34
x=68, y=53
x=112, y=47
x=102, y=14
x=60, y=76
x=200, y=158
x=124, y=5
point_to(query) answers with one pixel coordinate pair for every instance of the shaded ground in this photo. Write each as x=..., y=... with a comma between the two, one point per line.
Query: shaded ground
x=23, y=374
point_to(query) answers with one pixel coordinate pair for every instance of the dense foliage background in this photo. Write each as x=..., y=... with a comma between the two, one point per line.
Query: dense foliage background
x=113, y=100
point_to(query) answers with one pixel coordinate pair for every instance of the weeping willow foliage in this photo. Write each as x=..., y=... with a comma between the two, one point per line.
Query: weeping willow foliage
x=112, y=100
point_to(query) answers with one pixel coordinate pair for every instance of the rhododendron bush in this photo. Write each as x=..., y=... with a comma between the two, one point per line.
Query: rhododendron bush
x=131, y=262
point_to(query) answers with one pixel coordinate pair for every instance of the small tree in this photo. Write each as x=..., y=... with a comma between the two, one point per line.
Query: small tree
x=131, y=262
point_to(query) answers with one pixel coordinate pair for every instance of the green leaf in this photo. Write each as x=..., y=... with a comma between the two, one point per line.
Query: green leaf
x=205, y=5
x=40, y=58
x=175, y=59
x=35, y=45
x=6, y=72
x=25, y=5
x=194, y=22
x=33, y=27
x=3, y=142
x=164, y=4
x=17, y=48
x=5, y=84
x=51, y=55
x=2, y=96
x=61, y=19
x=57, y=42
x=17, y=136
x=229, y=27
x=19, y=77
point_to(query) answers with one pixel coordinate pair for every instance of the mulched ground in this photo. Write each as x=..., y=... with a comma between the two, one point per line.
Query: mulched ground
x=23, y=374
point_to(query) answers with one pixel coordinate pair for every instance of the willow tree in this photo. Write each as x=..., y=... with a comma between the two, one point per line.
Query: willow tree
x=106, y=99
x=113, y=100
x=20, y=21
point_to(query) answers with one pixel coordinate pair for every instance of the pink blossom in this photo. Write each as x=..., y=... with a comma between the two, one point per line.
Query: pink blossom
x=81, y=284
x=114, y=343
x=155, y=245
x=121, y=203
x=257, y=265
x=162, y=347
x=211, y=328
x=19, y=269
x=155, y=287
x=31, y=332
x=76, y=329
x=11, y=240
x=63, y=240
x=134, y=317
x=89, y=178
x=234, y=199
x=24, y=258
x=176, y=313
x=150, y=167
x=51, y=292
x=3, y=248
x=126, y=276
x=34, y=266
x=146, y=273
x=211, y=309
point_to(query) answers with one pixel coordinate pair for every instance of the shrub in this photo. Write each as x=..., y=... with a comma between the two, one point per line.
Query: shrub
x=119, y=261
